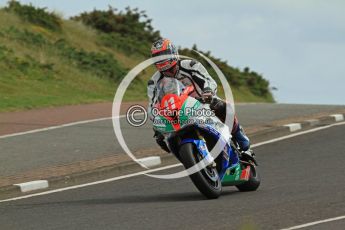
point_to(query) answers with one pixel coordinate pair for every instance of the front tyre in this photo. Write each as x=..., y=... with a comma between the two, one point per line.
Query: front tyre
x=206, y=180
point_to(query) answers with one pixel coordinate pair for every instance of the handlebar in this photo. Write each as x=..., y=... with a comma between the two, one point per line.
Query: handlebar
x=204, y=100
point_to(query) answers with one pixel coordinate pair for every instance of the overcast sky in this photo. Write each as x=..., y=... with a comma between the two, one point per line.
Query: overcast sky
x=298, y=45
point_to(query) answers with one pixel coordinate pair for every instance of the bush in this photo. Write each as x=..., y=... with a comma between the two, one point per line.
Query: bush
x=131, y=23
x=232, y=75
x=257, y=84
x=4, y=51
x=102, y=65
x=128, y=45
x=252, y=80
x=24, y=36
x=25, y=66
x=38, y=16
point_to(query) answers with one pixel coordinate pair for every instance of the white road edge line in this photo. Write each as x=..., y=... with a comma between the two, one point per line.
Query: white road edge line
x=91, y=183
x=314, y=223
x=162, y=168
x=297, y=134
x=61, y=126
x=56, y=127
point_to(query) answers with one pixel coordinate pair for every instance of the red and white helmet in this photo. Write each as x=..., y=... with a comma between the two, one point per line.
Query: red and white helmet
x=165, y=47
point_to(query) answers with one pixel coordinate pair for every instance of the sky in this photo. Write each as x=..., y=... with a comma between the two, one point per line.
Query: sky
x=298, y=45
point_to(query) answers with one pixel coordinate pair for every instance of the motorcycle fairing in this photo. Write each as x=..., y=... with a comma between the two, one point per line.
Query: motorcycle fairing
x=229, y=158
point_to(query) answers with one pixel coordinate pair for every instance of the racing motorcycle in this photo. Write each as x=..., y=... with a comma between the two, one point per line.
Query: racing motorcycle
x=191, y=130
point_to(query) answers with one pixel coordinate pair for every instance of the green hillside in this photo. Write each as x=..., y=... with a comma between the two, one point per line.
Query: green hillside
x=47, y=61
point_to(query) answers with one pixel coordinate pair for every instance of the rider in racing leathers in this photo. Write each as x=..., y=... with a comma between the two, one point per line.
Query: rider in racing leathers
x=189, y=72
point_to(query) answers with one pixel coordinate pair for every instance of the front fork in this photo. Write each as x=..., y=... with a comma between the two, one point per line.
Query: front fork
x=228, y=159
x=234, y=169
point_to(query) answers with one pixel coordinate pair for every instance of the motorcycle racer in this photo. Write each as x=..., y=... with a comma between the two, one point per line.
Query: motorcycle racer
x=189, y=72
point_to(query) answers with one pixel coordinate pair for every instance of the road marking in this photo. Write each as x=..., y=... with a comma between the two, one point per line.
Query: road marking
x=338, y=117
x=61, y=126
x=314, y=223
x=57, y=127
x=32, y=185
x=92, y=183
x=297, y=134
x=294, y=127
x=162, y=168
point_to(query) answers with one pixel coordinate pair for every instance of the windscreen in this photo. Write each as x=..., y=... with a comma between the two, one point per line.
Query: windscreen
x=169, y=85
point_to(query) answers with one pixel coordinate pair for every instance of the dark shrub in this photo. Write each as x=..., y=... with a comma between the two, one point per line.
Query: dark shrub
x=35, y=15
x=102, y=65
x=130, y=23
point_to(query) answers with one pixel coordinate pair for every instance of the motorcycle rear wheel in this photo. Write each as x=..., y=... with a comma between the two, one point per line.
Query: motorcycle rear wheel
x=253, y=183
x=206, y=180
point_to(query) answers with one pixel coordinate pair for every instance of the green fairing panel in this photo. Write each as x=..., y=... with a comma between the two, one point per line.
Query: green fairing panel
x=232, y=176
x=163, y=125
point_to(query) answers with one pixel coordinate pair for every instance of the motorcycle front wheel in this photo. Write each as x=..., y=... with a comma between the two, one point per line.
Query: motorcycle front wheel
x=206, y=180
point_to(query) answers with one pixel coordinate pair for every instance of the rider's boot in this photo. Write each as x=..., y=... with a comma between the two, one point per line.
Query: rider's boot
x=239, y=136
x=243, y=142
x=219, y=107
x=237, y=132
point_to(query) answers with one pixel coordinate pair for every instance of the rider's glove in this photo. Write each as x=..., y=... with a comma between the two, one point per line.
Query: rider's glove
x=160, y=141
x=207, y=94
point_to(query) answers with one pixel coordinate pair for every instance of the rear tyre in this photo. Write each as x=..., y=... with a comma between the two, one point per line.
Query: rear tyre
x=206, y=180
x=253, y=183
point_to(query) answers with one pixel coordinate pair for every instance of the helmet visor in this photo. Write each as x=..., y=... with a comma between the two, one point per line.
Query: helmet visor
x=165, y=63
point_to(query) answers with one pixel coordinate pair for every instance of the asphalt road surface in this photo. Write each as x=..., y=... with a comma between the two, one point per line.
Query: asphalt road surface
x=95, y=140
x=302, y=181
